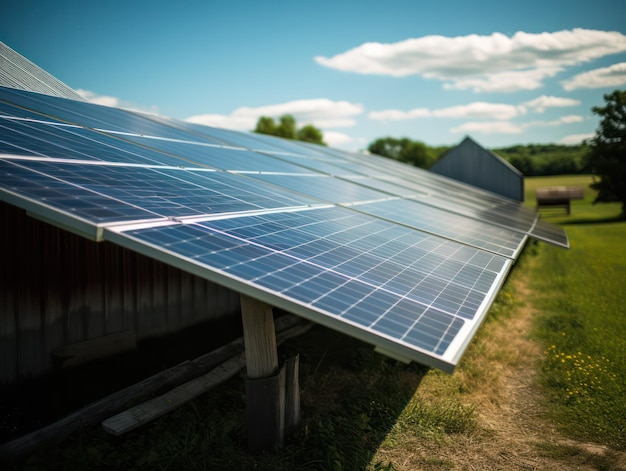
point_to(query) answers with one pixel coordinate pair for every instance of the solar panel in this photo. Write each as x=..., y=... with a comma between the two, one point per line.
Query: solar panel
x=405, y=260
x=363, y=275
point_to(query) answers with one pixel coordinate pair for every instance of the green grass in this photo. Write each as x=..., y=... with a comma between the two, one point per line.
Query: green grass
x=350, y=395
x=582, y=211
x=581, y=297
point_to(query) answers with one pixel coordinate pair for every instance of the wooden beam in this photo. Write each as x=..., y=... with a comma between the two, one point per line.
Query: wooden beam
x=265, y=393
x=259, y=338
x=161, y=405
x=94, y=413
x=56, y=432
x=155, y=408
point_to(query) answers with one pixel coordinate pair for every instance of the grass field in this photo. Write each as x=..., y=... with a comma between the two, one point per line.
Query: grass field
x=549, y=356
x=581, y=294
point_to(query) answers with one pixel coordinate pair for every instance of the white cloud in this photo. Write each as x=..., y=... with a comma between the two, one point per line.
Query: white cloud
x=477, y=110
x=336, y=139
x=505, y=82
x=113, y=102
x=572, y=118
x=100, y=99
x=398, y=115
x=575, y=139
x=482, y=63
x=235, y=120
x=612, y=76
x=321, y=112
x=488, y=127
x=543, y=102
x=507, y=127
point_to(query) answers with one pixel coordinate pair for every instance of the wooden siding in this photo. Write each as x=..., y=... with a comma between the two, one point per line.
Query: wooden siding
x=57, y=288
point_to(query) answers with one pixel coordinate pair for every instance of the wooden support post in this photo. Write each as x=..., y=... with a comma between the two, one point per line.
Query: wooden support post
x=264, y=387
x=259, y=338
x=292, y=395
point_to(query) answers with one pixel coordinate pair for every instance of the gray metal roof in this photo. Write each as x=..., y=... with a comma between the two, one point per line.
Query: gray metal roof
x=470, y=163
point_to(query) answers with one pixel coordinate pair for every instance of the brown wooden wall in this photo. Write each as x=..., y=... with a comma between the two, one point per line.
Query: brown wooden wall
x=57, y=288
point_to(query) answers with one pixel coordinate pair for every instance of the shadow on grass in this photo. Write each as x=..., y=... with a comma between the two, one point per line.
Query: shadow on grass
x=351, y=397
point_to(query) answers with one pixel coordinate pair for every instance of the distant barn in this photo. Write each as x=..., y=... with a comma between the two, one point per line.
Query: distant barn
x=471, y=163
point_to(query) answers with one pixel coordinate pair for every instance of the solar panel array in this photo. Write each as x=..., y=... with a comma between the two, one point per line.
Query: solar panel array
x=394, y=255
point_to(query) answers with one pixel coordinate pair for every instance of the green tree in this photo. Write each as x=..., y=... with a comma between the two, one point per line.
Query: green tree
x=405, y=150
x=310, y=133
x=287, y=128
x=607, y=159
x=546, y=159
x=265, y=125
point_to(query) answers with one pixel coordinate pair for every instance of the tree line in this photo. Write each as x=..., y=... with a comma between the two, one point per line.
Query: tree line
x=287, y=128
x=531, y=160
x=604, y=155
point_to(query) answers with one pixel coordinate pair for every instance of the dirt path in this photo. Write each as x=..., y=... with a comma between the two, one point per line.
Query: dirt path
x=512, y=433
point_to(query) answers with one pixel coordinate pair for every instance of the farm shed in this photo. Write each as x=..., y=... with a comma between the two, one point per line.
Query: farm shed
x=404, y=259
x=470, y=163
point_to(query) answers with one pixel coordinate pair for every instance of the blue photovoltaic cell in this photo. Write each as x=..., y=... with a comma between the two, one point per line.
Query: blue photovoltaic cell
x=391, y=187
x=325, y=188
x=8, y=110
x=251, y=141
x=73, y=142
x=92, y=116
x=389, y=253
x=549, y=233
x=437, y=221
x=219, y=157
x=158, y=192
x=321, y=166
x=65, y=197
x=388, y=279
x=469, y=231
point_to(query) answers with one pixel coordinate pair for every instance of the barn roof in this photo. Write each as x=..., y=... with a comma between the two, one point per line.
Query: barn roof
x=471, y=163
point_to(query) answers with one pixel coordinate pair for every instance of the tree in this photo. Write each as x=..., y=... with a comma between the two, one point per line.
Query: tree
x=266, y=125
x=404, y=150
x=310, y=133
x=607, y=159
x=287, y=128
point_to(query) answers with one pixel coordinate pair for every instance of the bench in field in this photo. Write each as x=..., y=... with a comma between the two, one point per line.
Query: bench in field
x=558, y=196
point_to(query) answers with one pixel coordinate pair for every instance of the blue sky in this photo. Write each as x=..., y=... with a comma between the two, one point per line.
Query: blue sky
x=505, y=72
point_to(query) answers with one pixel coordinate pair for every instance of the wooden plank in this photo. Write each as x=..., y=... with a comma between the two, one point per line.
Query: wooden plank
x=97, y=411
x=159, y=406
x=288, y=326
